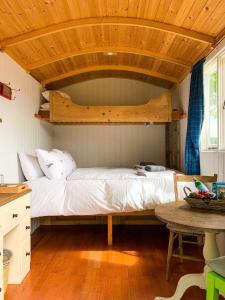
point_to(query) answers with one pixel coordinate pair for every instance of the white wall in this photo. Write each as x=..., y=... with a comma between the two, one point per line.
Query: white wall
x=112, y=91
x=19, y=131
x=112, y=145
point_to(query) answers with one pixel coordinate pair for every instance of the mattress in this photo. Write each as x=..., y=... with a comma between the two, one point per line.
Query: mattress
x=91, y=191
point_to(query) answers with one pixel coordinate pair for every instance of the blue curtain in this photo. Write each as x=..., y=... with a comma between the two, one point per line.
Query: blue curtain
x=195, y=120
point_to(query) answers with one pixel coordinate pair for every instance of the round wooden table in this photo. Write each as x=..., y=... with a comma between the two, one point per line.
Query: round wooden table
x=210, y=223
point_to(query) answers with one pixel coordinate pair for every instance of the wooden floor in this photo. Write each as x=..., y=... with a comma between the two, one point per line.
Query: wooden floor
x=75, y=264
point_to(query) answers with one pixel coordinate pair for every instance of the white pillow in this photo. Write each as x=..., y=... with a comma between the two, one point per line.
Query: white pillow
x=69, y=162
x=52, y=164
x=46, y=94
x=45, y=106
x=30, y=166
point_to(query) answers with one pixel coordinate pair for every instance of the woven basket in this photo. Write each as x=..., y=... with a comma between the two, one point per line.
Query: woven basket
x=6, y=262
x=218, y=205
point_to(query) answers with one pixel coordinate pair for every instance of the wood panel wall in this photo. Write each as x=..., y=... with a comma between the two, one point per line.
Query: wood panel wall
x=111, y=145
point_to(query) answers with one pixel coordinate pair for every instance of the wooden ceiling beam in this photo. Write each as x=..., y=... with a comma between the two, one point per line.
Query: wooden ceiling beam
x=98, y=21
x=130, y=50
x=110, y=67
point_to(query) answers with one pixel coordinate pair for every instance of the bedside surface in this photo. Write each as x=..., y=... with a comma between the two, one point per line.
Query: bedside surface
x=6, y=198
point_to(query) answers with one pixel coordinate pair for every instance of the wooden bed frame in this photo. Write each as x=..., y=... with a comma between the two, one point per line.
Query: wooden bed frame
x=150, y=212
x=93, y=219
x=71, y=220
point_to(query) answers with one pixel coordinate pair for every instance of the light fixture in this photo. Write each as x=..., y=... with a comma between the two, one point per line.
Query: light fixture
x=110, y=53
x=147, y=124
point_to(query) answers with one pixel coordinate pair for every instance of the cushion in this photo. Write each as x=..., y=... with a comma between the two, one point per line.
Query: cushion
x=30, y=166
x=70, y=164
x=217, y=265
x=52, y=164
x=46, y=94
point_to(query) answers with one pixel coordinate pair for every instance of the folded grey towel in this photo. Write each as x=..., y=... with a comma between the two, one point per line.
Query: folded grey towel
x=150, y=168
x=154, y=168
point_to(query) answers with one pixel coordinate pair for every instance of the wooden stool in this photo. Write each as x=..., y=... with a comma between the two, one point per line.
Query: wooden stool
x=178, y=232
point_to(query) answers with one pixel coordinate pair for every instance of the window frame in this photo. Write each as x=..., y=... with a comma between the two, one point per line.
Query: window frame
x=205, y=146
x=219, y=58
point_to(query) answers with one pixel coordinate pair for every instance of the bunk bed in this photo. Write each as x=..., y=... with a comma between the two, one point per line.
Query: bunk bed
x=110, y=192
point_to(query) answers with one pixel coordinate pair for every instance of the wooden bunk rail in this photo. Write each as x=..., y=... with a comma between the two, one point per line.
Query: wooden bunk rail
x=157, y=110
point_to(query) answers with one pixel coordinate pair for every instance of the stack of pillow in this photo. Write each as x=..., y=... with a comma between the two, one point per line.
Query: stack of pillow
x=54, y=164
x=46, y=95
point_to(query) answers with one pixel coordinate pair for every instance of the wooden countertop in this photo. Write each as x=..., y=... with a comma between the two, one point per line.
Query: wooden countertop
x=6, y=198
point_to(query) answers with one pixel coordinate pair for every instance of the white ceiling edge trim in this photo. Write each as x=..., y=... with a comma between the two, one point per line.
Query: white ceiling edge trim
x=220, y=48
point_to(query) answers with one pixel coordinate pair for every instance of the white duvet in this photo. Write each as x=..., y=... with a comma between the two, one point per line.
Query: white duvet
x=90, y=191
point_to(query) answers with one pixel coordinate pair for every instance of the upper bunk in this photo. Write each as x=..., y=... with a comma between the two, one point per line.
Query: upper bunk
x=64, y=110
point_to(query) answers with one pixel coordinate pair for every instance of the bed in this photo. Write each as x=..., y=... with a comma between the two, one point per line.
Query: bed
x=101, y=191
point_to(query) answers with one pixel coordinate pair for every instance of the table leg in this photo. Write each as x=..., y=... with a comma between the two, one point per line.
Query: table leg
x=210, y=250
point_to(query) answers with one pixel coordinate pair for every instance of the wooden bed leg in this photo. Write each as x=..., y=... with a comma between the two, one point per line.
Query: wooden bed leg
x=110, y=229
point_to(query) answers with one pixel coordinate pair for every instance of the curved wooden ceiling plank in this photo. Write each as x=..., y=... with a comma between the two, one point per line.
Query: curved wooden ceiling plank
x=125, y=21
x=110, y=67
x=130, y=50
x=109, y=74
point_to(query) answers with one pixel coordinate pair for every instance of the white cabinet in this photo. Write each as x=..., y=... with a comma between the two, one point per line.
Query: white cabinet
x=15, y=236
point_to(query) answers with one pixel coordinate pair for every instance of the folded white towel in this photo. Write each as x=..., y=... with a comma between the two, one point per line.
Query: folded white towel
x=141, y=172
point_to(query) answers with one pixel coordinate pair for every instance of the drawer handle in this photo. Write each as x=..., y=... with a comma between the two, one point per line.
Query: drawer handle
x=28, y=207
x=15, y=215
x=27, y=227
x=27, y=253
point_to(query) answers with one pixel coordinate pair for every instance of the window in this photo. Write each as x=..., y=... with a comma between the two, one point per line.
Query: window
x=213, y=133
x=211, y=105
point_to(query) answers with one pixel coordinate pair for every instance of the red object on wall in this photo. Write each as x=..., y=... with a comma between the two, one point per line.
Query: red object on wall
x=5, y=91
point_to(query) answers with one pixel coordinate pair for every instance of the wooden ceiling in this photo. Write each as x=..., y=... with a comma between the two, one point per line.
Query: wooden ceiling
x=60, y=40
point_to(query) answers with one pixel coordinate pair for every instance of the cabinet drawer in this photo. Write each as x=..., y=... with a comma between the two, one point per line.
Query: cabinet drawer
x=25, y=229
x=26, y=257
x=10, y=216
